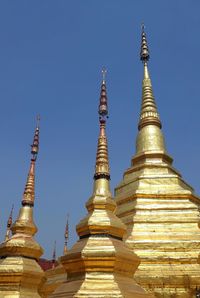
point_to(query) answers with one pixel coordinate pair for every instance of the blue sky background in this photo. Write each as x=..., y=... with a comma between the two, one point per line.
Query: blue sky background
x=51, y=55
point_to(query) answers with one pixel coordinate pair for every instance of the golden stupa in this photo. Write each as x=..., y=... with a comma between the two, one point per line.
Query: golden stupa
x=9, y=224
x=56, y=275
x=159, y=208
x=99, y=265
x=53, y=278
x=20, y=274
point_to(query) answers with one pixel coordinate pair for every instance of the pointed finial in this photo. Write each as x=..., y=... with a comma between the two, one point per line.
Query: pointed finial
x=103, y=105
x=29, y=192
x=38, y=121
x=142, y=26
x=9, y=224
x=144, y=53
x=54, y=255
x=66, y=234
x=104, y=71
x=35, y=145
x=149, y=114
x=11, y=213
x=102, y=162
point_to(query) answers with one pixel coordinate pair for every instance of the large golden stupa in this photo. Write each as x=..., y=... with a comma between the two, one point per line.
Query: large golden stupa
x=159, y=208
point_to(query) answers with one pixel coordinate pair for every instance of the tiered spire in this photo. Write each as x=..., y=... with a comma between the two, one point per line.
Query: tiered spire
x=101, y=199
x=29, y=192
x=25, y=223
x=9, y=224
x=150, y=139
x=66, y=235
x=102, y=163
x=149, y=114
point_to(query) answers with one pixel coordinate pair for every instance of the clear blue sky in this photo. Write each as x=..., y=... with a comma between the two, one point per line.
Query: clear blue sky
x=51, y=55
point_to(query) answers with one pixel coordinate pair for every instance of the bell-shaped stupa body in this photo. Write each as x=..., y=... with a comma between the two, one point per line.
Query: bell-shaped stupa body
x=159, y=208
x=20, y=274
x=99, y=265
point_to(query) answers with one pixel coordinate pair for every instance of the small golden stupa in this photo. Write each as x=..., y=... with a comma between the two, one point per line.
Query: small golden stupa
x=159, y=208
x=56, y=275
x=20, y=274
x=99, y=264
x=9, y=224
x=66, y=235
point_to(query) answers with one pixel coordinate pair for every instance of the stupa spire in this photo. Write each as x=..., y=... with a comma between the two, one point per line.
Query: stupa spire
x=149, y=114
x=21, y=272
x=25, y=222
x=102, y=162
x=66, y=235
x=150, y=139
x=29, y=192
x=9, y=224
x=54, y=255
x=101, y=198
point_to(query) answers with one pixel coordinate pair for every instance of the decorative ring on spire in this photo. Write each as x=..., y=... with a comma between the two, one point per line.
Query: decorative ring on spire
x=144, y=53
x=103, y=105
